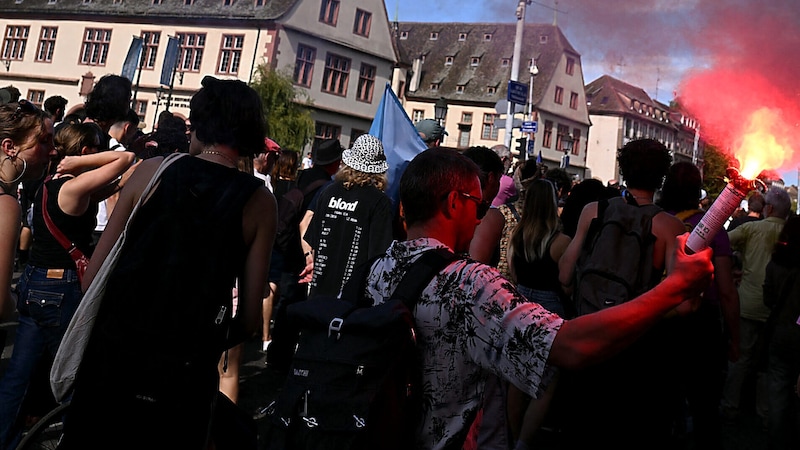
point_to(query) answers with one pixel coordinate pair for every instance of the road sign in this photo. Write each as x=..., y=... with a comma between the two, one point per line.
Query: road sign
x=501, y=123
x=517, y=92
x=501, y=107
x=530, y=126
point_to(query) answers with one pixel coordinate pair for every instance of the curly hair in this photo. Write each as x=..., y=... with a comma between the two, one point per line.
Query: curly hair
x=644, y=163
x=351, y=177
x=228, y=112
x=110, y=100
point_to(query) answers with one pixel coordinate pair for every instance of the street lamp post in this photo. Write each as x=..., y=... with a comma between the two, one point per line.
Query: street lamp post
x=440, y=110
x=532, y=135
x=520, y=13
x=566, y=144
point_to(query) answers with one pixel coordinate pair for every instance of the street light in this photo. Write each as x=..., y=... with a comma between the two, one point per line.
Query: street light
x=566, y=142
x=440, y=110
x=534, y=71
x=566, y=145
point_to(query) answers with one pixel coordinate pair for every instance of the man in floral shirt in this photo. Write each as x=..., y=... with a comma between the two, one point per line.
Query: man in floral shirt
x=471, y=321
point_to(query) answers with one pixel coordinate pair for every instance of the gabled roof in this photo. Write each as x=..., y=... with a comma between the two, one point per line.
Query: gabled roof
x=491, y=43
x=210, y=10
x=610, y=96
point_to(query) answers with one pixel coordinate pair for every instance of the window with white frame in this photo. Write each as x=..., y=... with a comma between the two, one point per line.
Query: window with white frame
x=94, y=50
x=230, y=54
x=15, y=41
x=192, y=47
x=47, y=44
x=150, y=41
x=489, y=130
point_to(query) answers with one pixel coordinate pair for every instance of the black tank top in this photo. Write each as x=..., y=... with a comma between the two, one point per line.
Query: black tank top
x=541, y=274
x=46, y=251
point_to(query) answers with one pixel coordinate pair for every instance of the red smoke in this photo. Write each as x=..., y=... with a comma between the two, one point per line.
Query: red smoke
x=748, y=100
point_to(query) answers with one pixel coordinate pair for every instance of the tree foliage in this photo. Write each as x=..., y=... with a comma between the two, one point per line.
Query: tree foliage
x=715, y=163
x=286, y=108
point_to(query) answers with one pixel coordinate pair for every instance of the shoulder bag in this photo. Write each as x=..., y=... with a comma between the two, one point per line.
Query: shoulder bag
x=73, y=344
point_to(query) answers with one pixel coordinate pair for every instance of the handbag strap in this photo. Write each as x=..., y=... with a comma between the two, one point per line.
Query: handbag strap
x=168, y=160
x=69, y=246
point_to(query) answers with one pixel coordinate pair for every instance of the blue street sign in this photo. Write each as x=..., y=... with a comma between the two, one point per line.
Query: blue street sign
x=517, y=92
x=530, y=148
x=530, y=126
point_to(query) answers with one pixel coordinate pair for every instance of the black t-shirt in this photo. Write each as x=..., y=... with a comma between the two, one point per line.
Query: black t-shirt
x=348, y=228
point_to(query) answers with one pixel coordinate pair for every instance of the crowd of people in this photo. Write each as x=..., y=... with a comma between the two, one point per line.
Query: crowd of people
x=508, y=349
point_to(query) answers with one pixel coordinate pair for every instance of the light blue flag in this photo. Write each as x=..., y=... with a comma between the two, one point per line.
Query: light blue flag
x=132, y=59
x=170, y=60
x=401, y=142
x=539, y=157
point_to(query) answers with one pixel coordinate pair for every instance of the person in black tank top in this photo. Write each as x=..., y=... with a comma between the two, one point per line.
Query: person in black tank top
x=164, y=320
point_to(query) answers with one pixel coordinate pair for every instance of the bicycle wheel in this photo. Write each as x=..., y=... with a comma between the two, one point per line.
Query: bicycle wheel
x=46, y=434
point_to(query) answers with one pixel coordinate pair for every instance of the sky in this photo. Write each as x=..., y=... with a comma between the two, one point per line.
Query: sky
x=723, y=59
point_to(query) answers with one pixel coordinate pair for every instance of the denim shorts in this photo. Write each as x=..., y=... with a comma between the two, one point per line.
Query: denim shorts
x=49, y=297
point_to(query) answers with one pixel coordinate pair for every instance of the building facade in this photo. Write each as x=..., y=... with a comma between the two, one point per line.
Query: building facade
x=336, y=52
x=469, y=66
x=621, y=112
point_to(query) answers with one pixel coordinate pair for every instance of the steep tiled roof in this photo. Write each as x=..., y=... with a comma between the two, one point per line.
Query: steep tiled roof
x=610, y=96
x=463, y=42
x=210, y=10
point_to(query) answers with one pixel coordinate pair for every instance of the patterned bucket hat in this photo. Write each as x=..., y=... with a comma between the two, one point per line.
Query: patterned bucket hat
x=366, y=155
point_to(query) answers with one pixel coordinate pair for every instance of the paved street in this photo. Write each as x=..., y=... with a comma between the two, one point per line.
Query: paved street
x=258, y=386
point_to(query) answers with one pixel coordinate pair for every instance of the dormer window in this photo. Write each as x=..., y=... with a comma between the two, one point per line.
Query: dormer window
x=462, y=36
x=504, y=62
x=491, y=90
x=448, y=60
x=474, y=61
x=434, y=35
x=460, y=89
x=543, y=39
x=404, y=35
x=434, y=86
x=487, y=37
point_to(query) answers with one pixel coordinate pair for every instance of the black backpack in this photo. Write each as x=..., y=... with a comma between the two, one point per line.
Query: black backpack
x=616, y=262
x=355, y=378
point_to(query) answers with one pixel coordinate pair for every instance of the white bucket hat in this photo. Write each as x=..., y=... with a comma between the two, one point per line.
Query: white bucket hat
x=366, y=155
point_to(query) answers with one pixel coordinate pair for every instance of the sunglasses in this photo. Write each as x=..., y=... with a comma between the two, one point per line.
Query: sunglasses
x=483, y=207
x=24, y=107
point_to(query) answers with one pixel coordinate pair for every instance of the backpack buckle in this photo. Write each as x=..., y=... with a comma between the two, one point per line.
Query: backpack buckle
x=336, y=326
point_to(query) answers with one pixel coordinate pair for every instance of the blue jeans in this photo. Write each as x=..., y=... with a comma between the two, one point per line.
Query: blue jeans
x=45, y=306
x=548, y=300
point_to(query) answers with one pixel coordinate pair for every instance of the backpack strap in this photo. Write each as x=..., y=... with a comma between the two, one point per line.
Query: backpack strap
x=420, y=274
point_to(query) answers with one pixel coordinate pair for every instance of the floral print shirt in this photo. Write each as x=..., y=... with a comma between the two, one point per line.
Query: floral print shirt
x=470, y=322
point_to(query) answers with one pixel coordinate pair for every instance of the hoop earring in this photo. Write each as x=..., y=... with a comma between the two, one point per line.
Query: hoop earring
x=22, y=174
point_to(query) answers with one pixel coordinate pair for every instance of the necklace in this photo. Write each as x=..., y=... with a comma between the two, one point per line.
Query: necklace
x=212, y=152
